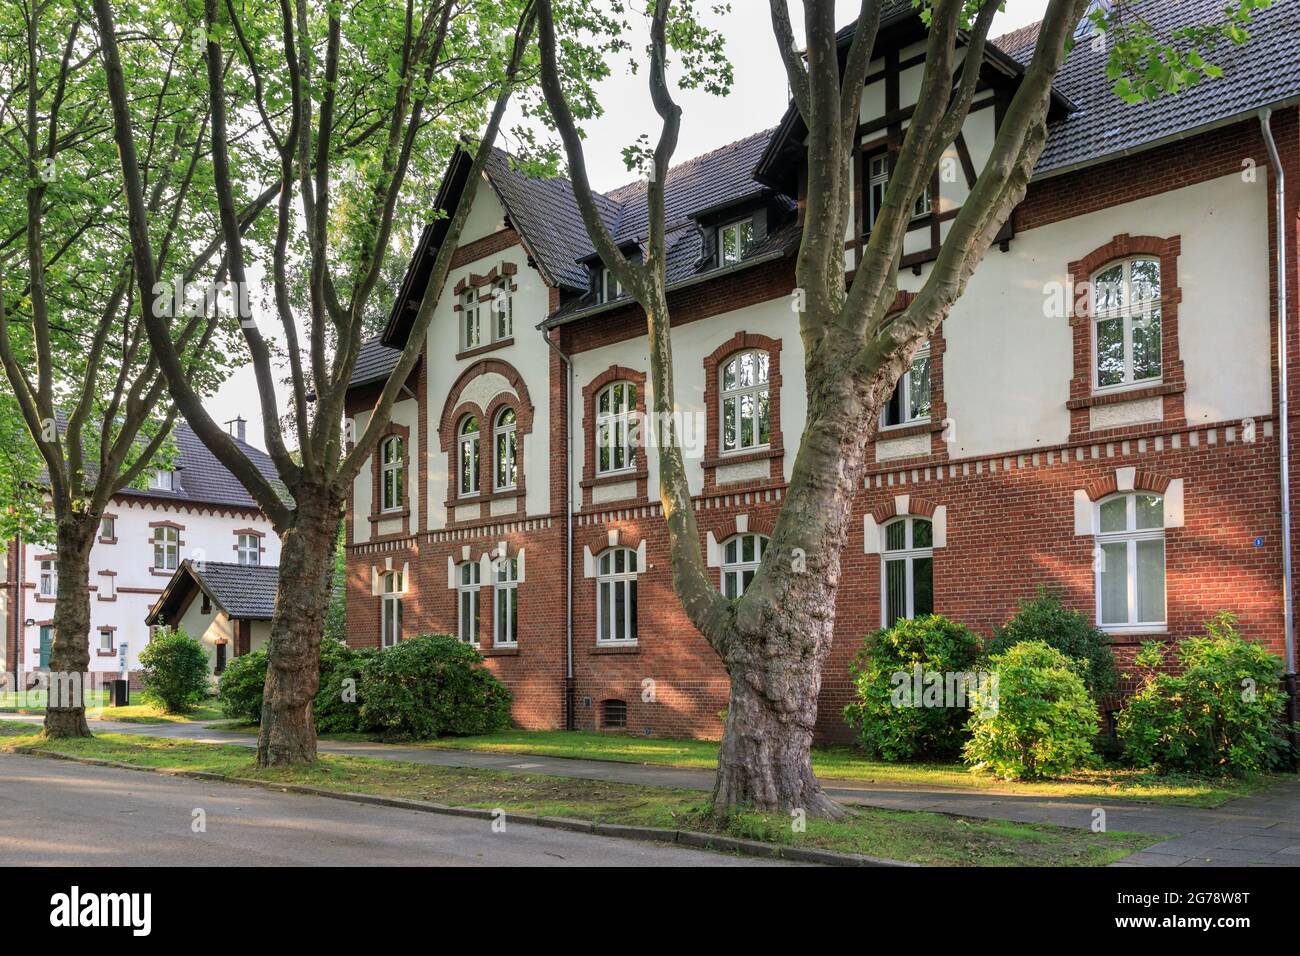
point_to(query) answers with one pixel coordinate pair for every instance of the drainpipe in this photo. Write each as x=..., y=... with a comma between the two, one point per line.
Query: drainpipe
x=1284, y=423
x=570, y=716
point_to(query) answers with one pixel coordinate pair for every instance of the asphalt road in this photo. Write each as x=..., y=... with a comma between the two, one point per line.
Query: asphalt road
x=56, y=812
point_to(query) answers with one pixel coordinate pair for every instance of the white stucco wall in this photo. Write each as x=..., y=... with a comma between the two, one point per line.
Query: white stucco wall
x=206, y=536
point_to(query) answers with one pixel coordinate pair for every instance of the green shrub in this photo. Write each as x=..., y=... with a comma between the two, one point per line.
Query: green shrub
x=174, y=671
x=239, y=691
x=1221, y=714
x=890, y=723
x=1045, y=619
x=429, y=686
x=337, y=707
x=1037, y=720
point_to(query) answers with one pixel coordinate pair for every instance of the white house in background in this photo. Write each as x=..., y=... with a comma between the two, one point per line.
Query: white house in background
x=198, y=512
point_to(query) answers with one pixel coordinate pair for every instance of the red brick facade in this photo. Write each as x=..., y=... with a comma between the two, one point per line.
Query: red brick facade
x=1011, y=518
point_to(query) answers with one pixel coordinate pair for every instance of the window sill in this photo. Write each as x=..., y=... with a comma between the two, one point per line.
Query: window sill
x=500, y=650
x=479, y=498
x=909, y=430
x=103, y=653
x=1158, y=632
x=615, y=478
x=744, y=457
x=481, y=349
x=1127, y=395
x=627, y=647
x=108, y=540
x=162, y=572
x=106, y=600
x=378, y=516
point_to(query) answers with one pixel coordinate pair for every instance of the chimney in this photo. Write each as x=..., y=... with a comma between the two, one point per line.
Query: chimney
x=236, y=427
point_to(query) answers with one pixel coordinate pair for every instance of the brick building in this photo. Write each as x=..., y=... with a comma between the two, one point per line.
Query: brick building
x=1125, y=453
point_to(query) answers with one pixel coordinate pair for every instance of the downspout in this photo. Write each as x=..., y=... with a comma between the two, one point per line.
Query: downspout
x=1284, y=425
x=570, y=716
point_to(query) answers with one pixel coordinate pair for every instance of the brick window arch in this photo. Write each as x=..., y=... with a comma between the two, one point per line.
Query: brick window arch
x=455, y=412
x=591, y=393
x=1091, y=407
x=401, y=513
x=772, y=453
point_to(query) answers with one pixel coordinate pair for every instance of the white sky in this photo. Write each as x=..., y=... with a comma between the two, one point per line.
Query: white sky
x=758, y=98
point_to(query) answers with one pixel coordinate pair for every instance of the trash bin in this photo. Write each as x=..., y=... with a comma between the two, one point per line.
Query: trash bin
x=119, y=694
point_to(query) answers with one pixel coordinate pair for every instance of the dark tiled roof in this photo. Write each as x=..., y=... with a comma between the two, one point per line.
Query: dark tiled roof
x=1263, y=71
x=201, y=478
x=243, y=591
x=375, y=362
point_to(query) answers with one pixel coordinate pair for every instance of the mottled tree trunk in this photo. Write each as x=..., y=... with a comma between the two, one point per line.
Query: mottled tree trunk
x=288, y=735
x=70, y=652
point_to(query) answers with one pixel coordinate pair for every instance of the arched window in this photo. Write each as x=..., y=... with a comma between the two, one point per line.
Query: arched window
x=467, y=582
x=1130, y=561
x=741, y=556
x=467, y=456
x=507, y=470
x=390, y=630
x=907, y=571
x=616, y=596
x=616, y=428
x=392, y=473
x=506, y=617
x=1125, y=303
x=746, y=410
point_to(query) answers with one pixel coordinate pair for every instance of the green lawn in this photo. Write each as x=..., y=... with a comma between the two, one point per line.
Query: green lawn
x=928, y=838
x=846, y=763
x=33, y=702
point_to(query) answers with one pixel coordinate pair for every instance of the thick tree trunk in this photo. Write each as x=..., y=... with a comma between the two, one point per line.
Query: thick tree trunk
x=784, y=628
x=70, y=652
x=288, y=735
x=765, y=758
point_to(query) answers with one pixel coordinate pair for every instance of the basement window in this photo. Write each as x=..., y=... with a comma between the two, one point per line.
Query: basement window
x=613, y=714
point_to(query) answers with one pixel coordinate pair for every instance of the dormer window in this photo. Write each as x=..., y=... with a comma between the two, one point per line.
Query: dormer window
x=608, y=287
x=163, y=480
x=734, y=240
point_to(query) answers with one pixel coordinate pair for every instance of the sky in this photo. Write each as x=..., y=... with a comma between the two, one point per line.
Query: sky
x=758, y=97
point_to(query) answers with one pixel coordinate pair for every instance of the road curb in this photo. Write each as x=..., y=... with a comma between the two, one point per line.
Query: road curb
x=689, y=838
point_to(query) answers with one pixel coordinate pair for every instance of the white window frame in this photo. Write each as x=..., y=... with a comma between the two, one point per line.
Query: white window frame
x=108, y=527
x=169, y=540
x=471, y=320
x=505, y=616
x=107, y=587
x=734, y=565
x=390, y=616
x=1128, y=310
x=248, y=549
x=111, y=634
x=879, y=168
x=1130, y=537
x=622, y=426
x=908, y=554
x=611, y=582
x=392, y=473
x=48, y=583
x=904, y=387
x=744, y=232
x=503, y=310
x=505, y=451
x=756, y=392
x=603, y=279
x=163, y=480
x=468, y=443
x=468, y=576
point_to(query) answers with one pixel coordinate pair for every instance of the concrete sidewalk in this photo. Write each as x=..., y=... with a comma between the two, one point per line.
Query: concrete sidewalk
x=1263, y=829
